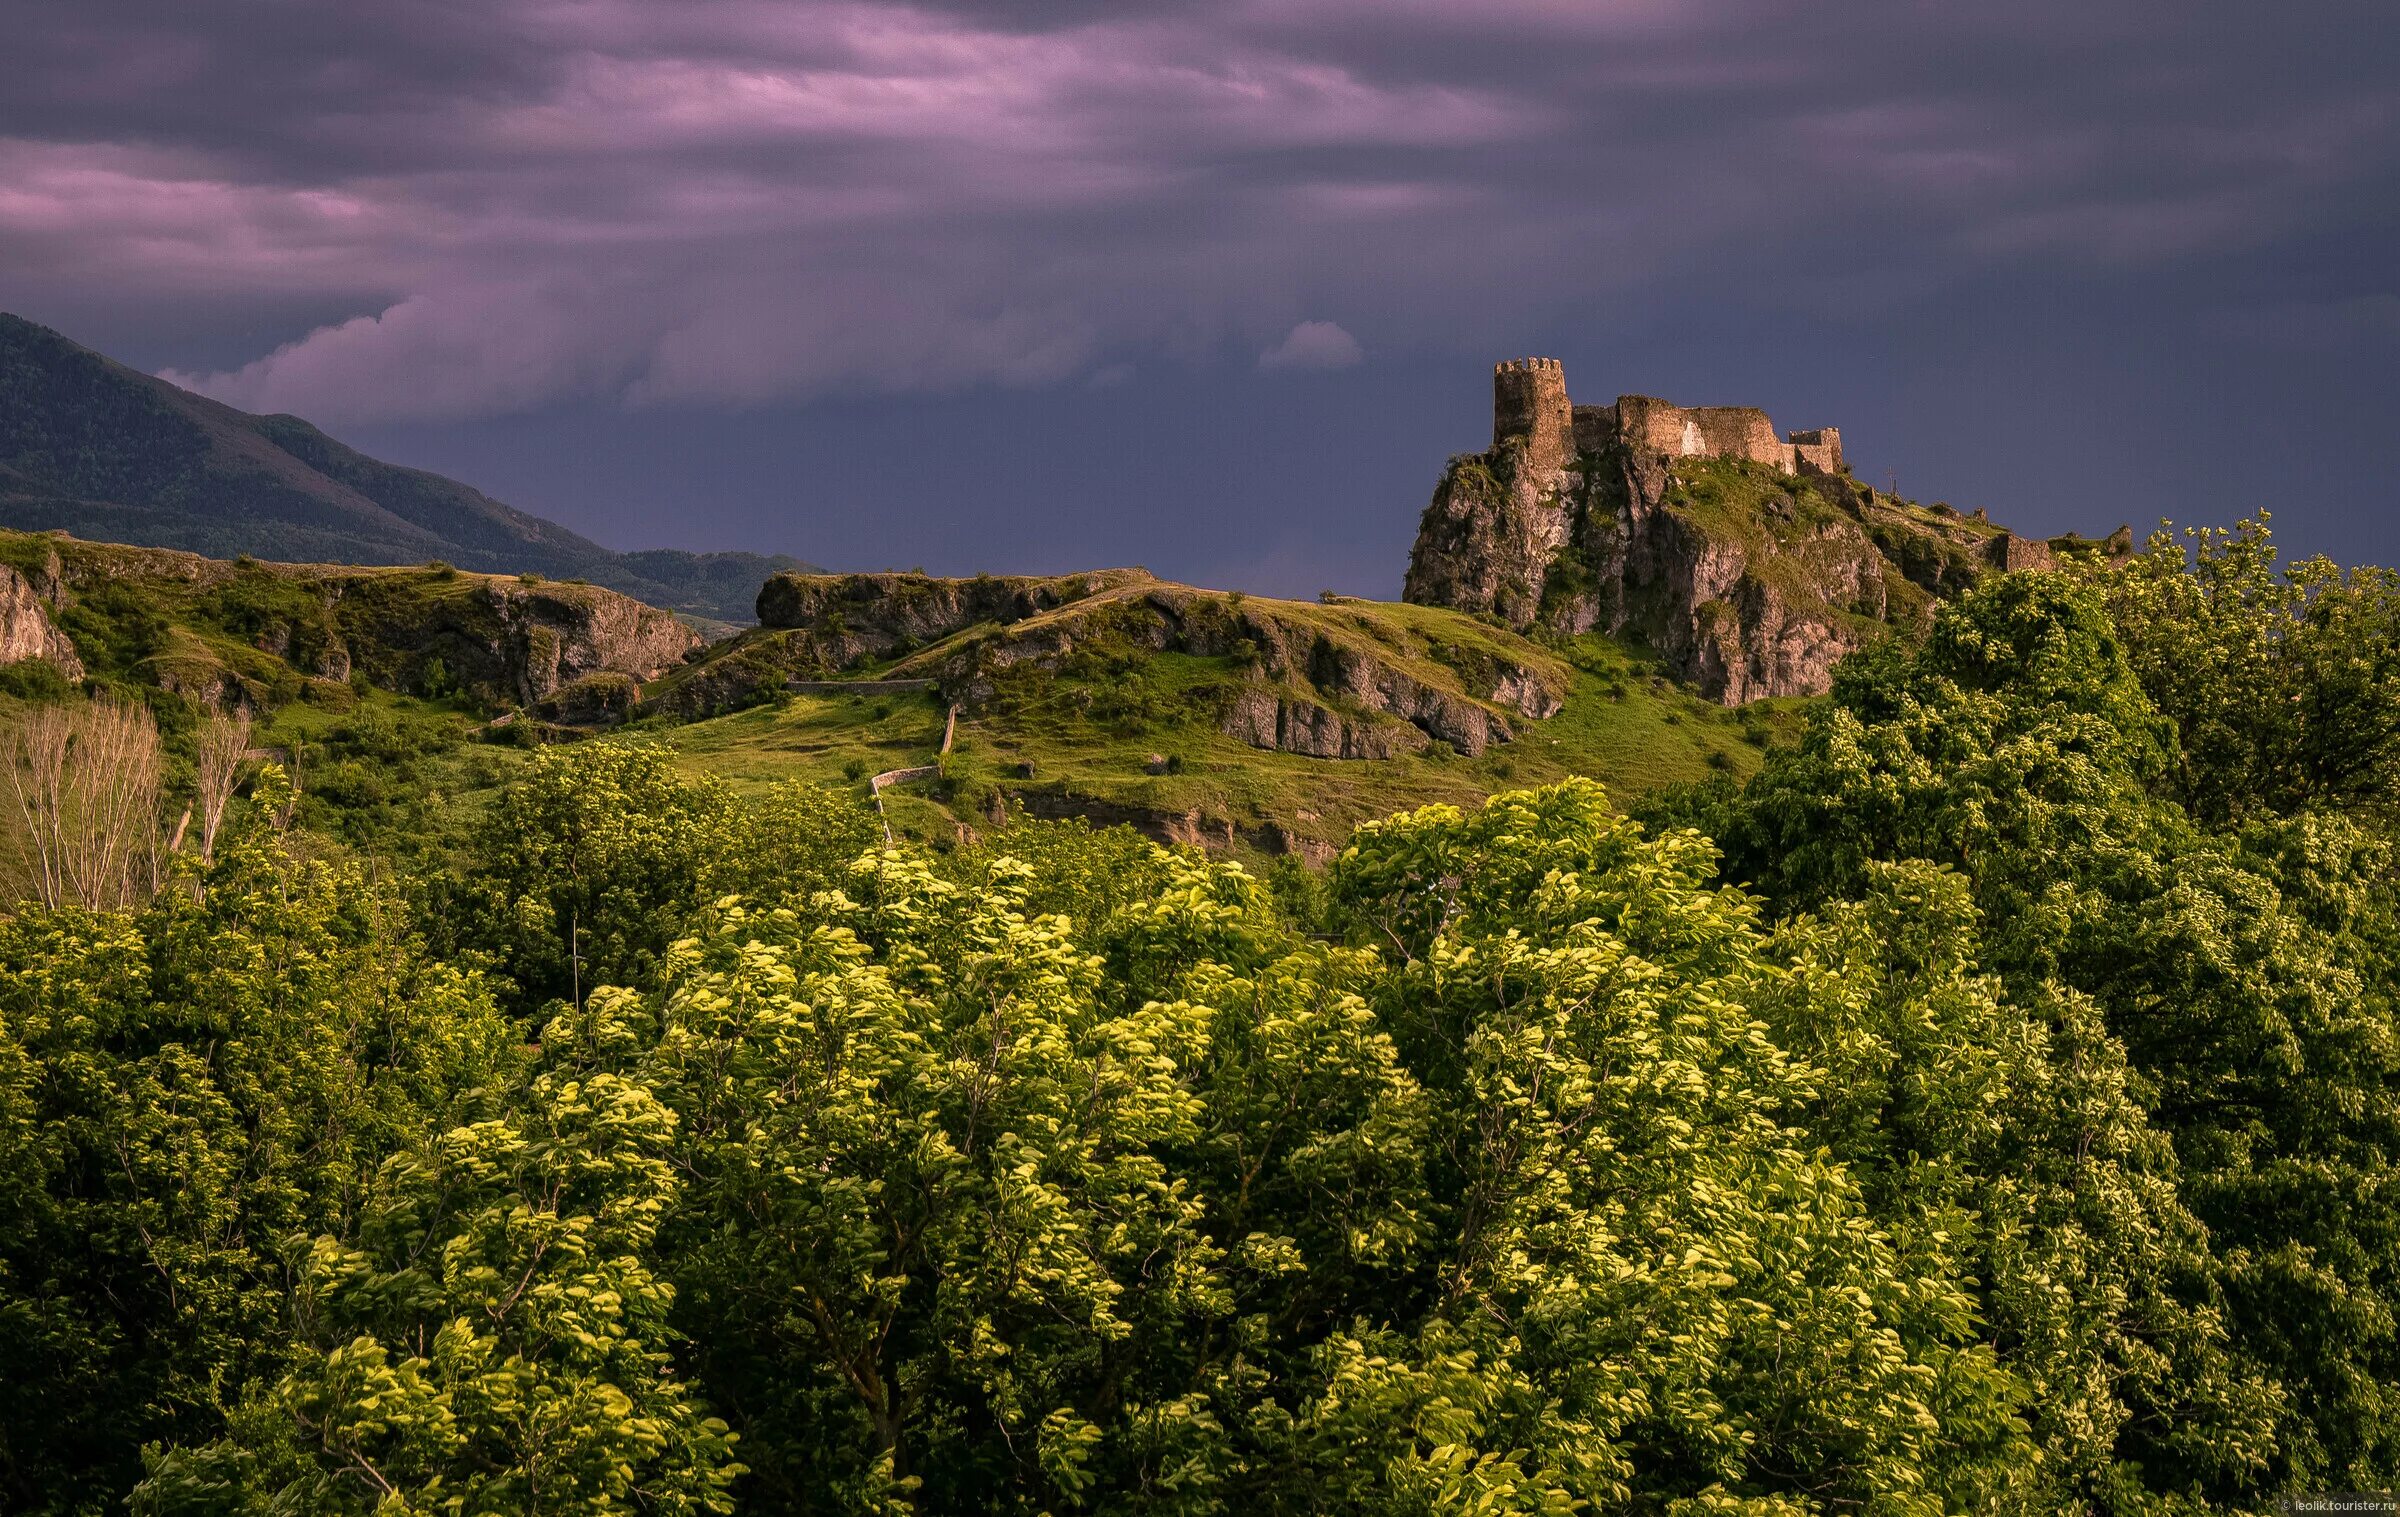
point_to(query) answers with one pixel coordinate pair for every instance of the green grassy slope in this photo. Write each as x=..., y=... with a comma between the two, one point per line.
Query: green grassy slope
x=1126, y=724
x=1789, y=529
x=1084, y=739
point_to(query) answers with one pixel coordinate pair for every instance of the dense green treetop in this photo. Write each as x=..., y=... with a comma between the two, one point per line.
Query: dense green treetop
x=182, y=1092
x=2283, y=684
x=2245, y=973
x=1990, y=1107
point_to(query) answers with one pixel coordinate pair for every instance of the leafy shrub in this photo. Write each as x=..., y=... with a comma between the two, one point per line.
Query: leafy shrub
x=115, y=627
x=34, y=679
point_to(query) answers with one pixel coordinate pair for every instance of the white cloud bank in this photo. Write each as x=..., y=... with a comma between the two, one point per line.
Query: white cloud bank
x=1314, y=345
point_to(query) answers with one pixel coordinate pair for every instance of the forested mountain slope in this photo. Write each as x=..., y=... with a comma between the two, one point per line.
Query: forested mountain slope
x=92, y=447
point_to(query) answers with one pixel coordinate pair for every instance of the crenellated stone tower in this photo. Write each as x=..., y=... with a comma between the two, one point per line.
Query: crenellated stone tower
x=1529, y=400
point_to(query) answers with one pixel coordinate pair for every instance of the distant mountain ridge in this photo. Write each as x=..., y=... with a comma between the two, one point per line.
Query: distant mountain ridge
x=106, y=452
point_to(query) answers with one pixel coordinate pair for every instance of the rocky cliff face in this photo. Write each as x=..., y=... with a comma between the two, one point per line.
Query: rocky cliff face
x=1316, y=685
x=245, y=633
x=1751, y=581
x=26, y=631
x=1487, y=541
x=513, y=642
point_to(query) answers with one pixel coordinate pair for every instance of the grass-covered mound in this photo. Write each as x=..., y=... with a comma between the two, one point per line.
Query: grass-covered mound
x=1231, y=720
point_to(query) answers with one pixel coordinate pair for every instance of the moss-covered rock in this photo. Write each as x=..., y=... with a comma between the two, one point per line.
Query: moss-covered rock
x=592, y=700
x=26, y=631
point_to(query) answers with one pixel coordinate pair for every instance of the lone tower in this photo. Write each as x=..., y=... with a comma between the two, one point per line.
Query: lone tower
x=1529, y=400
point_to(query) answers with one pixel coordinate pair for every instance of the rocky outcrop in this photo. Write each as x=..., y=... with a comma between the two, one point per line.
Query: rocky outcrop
x=567, y=637
x=1340, y=681
x=1357, y=675
x=240, y=629
x=1750, y=584
x=1487, y=541
x=855, y=616
x=594, y=700
x=1749, y=616
x=1282, y=723
x=1314, y=688
x=210, y=686
x=1753, y=564
x=26, y=630
x=503, y=640
x=814, y=625
x=1318, y=680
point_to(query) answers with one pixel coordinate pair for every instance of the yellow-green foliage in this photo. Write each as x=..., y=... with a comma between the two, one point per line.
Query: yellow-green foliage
x=2017, y=1141
x=1541, y=1130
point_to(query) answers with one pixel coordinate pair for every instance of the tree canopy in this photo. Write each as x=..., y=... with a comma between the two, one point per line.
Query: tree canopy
x=1990, y=1107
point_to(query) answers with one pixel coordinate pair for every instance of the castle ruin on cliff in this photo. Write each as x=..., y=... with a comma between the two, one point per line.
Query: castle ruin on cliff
x=1657, y=523
x=1529, y=401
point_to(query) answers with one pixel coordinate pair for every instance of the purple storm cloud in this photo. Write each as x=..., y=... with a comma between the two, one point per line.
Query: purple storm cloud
x=565, y=247
x=463, y=209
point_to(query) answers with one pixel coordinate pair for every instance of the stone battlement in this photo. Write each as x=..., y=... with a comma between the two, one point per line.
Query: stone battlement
x=1529, y=401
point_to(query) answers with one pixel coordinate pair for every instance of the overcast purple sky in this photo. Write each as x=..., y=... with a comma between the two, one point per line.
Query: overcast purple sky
x=1041, y=284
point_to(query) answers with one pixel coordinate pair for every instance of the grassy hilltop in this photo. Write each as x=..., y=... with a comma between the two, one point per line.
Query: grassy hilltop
x=409, y=693
x=1141, y=701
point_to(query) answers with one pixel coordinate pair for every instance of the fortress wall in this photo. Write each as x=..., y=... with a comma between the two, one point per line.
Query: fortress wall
x=2009, y=551
x=1818, y=451
x=1529, y=400
x=1739, y=432
x=1651, y=425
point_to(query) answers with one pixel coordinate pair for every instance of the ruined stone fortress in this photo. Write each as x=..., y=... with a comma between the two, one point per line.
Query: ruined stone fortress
x=1648, y=521
x=1529, y=401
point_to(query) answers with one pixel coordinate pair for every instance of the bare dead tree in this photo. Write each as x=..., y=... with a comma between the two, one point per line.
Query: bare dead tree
x=85, y=782
x=38, y=746
x=224, y=746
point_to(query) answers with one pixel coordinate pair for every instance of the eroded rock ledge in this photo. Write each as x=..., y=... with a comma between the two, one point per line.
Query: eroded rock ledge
x=26, y=631
x=1327, y=681
x=505, y=639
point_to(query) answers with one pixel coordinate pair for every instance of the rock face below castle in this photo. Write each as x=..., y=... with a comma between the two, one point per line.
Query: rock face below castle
x=1750, y=559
